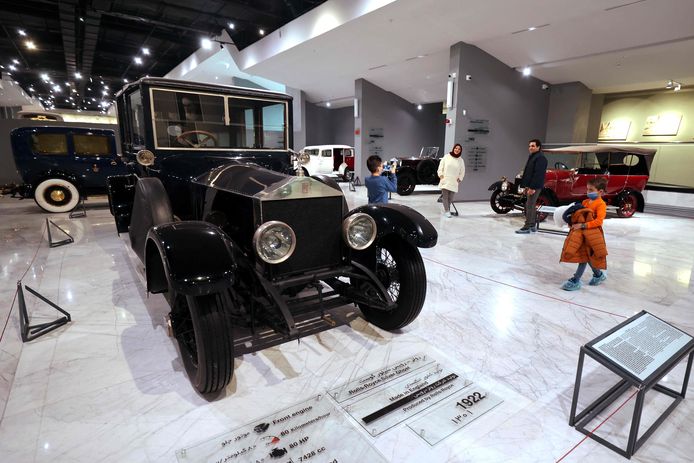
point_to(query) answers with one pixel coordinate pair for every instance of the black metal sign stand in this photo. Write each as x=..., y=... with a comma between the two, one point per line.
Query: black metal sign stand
x=79, y=211
x=31, y=332
x=355, y=182
x=634, y=442
x=55, y=244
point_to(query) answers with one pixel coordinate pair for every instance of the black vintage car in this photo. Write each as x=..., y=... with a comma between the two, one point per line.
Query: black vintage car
x=247, y=254
x=418, y=170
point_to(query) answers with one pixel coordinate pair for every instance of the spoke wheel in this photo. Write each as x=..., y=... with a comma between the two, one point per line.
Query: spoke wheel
x=628, y=205
x=496, y=206
x=203, y=326
x=400, y=269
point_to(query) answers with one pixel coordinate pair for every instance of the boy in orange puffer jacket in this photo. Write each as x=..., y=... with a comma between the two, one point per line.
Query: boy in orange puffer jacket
x=585, y=244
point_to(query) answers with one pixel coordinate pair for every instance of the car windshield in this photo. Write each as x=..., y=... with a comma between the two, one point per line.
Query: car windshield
x=562, y=160
x=186, y=120
x=429, y=152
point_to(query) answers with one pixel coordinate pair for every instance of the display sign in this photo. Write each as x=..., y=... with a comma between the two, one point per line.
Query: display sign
x=617, y=129
x=313, y=431
x=398, y=400
x=375, y=379
x=642, y=345
x=454, y=413
x=478, y=126
x=476, y=157
x=662, y=124
x=376, y=141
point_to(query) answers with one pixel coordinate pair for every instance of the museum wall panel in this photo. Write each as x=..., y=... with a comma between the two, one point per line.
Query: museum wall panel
x=569, y=113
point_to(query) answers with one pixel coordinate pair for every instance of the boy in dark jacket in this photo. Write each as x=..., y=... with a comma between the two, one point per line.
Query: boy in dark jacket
x=585, y=243
x=378, y=185
x=533, y=181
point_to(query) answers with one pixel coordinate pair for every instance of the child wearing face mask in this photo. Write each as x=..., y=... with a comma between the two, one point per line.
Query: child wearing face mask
x=585, y=243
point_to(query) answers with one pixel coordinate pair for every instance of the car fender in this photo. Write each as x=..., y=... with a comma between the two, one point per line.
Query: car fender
x=121, y=194
x=495, y=186
x=403, y=221
x=638, y=195
x=36, y=178
x=192, y=257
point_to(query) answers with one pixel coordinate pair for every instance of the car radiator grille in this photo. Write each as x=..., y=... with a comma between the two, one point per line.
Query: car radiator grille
x=317, y=223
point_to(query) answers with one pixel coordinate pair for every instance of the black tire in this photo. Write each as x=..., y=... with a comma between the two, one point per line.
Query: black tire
x=203, y=328
x=496, y=207
x=427, y=171
x=401, y=270
x=56, y=195
x=406, y=184
x=151, y=207
x=627, y=205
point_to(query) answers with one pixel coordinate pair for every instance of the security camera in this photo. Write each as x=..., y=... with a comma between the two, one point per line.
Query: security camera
x=468, y=77
x=545, y=86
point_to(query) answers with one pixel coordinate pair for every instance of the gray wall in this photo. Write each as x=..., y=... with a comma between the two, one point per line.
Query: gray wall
x=569, y=113
x=8, y=170
x=325, y=126
x=342, y=121
x=516, y=107
x=405, y=129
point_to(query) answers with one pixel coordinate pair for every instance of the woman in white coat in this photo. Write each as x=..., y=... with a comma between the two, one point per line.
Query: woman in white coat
x=451, y=172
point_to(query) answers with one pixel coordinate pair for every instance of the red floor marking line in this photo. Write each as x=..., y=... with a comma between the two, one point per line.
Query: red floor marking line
x=526, y=290
x=598, y=426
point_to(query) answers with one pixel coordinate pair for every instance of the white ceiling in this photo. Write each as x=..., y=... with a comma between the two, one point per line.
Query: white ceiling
x=634, y=47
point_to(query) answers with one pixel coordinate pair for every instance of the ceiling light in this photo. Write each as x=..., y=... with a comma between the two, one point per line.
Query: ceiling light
x=13, y=67
x=57, y=88
x=78, y=75
x=327, y=104
x=231, y=26
x=145, y=51
x=22, y=32
x=261, y=31
x=81, y=19
x=206, y=44
x=30, y=45
x=419, y=107
x=526, y=71
x=532, y=28
x=104, y=92
x=15, y=61
x=67, y=84
x=89, y=88
x=106, y=87
x=137, y=60
x=125, y=81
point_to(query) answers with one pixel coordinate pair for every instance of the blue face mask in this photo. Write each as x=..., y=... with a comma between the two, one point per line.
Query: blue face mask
x=593, y=195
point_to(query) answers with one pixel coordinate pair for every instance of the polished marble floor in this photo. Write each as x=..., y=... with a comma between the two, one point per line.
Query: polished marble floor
x=110, y=386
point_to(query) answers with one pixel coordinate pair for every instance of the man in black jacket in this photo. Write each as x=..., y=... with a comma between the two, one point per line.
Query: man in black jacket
x=533, y=181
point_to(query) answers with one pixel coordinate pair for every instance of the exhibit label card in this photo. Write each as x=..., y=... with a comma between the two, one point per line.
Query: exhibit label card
x=459, y=410
x=313, y=431
x=397, y=401
x=643, y=345
x=372, y=380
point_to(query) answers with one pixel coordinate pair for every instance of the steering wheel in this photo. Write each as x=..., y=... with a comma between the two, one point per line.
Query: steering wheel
x=561, y=165
x=203, y=138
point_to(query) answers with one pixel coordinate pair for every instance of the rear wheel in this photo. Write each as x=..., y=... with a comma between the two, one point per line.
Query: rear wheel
x=56, y=195
x=628, y=205
x=399, y=267
x=202, y=326
x=496, y=206
x=406, y=184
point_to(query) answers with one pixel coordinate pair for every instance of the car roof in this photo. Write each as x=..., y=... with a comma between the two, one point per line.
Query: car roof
x=602, y=149
x=184, y=85
x=320, y=147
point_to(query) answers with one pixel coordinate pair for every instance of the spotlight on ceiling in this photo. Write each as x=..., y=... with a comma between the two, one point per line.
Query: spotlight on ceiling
x=13, y=67
x=206, y=44
x=261, y=31
x=78, y=75
x=419, y=107
x=57, y=88
x=15, y=61
x=231, y=25
x=526, y=71
x=145, y=51
x=22, y=32
x=137, y=60
x=30, y=45
x=125, y=81
x=327, y=104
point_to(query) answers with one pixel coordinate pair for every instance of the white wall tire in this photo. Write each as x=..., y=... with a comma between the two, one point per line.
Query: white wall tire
x=56, y=195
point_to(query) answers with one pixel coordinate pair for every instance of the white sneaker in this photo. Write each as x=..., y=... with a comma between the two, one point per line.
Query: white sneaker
x=447, y=215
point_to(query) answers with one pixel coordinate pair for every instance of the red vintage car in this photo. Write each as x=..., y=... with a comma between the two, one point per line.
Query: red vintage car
x=626, y=169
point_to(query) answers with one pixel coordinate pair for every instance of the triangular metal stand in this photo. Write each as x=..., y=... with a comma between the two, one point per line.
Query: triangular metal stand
x=31, y=332
x=355, y=182
x=55, y=244
x=455, y=209
x=79, y=211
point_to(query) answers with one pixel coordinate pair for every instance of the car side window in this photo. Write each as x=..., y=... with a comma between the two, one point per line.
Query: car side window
x=92, y=145
x=326, y=153
x=49, y=143
x=311, y=152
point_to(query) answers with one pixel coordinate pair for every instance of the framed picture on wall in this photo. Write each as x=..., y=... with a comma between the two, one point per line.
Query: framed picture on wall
x=617, y=129
x=667, y=124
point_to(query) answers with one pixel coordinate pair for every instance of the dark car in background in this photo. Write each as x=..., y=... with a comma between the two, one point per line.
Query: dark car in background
x=58, y=165
x=247, y=254
x=626, y=169
x=418, y=170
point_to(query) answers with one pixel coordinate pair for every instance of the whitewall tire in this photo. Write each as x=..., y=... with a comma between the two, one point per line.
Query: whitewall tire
x=56, y=195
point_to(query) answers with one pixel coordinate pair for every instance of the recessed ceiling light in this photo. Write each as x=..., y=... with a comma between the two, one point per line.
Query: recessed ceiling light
x=145, y=51
x=81, y=19
x=231, y=26
x=125, y=81
x=30, y=45
x=526, y=71
x=104, y=92
x=328, y=104
x=13, y=67
x=78, y=75
x=57, y=88
x=206, y=44
x=261, y=31
x=137, y=60
x=15, y=61
x=22, y=32
x=106, y=87
x=532, y=28
x=419, y=107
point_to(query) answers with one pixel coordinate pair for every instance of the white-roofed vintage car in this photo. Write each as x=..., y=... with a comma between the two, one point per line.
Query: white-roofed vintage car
x=247, y=255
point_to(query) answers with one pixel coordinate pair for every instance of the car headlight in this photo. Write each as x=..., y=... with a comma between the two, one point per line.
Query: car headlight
x=274, y=242
x=504, y=186
x=145, y=157
x=359, y=231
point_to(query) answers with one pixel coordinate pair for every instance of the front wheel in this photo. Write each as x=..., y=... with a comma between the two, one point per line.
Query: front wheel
x=406, y=184
x=56, y=195
x=627, y=205
x=496, y=205
x=399, y=267
x=202, y=326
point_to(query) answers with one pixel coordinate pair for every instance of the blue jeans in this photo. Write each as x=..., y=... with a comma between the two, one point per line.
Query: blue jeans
x=582, y=268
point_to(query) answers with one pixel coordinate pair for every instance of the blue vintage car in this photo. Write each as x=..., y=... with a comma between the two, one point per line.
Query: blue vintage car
x=58, y=165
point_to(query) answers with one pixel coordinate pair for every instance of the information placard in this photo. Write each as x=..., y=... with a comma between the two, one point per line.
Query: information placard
x=394, y=402
x=377, y=378
x=642, y=345
x=313, y=431
x=456, y=412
